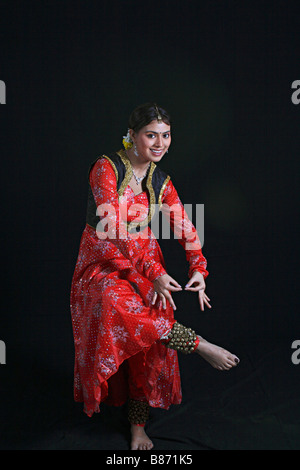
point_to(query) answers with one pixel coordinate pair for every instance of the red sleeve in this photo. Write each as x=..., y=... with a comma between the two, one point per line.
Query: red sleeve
x=173, y=209
x=104, y=187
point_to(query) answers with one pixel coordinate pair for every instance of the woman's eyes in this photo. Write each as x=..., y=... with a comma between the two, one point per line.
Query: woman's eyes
x=152, y=136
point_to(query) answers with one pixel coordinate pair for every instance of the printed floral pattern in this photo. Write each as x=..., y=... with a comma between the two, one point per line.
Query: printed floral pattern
x=117, y=332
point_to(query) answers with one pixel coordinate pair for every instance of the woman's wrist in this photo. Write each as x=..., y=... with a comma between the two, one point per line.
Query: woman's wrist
x=156, y=272
x=191, y=273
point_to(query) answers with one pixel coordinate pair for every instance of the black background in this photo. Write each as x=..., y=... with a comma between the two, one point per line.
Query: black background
x=73, y=73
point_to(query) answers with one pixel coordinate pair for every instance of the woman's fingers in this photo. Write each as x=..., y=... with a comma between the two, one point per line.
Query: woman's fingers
x=195, y=286
x=203, y=299
x=194, y=289
x=154, y=298
x=170, y=299
x=164, y=298
x=206, y=300
x=201, y=302
x=163, y=286
x=175, y=287
x=171, y=285
x=167, y=284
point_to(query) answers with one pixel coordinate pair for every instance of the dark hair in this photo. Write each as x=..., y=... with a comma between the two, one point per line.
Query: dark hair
x=145, y=113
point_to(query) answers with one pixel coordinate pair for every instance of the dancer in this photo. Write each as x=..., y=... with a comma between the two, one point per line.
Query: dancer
x=125, y=334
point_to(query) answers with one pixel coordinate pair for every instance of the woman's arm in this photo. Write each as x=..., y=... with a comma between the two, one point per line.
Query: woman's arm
x=174, y=211
x=187, y=236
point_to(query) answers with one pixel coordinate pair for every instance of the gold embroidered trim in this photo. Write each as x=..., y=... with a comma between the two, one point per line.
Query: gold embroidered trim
x=162, y=190
x=128, y=173
x=125, y=182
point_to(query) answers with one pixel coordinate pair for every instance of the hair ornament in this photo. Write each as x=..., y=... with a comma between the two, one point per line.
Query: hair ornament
x=127, y=142
x=159, y=118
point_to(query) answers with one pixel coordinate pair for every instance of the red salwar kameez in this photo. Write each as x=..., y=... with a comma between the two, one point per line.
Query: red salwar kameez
x=117, y=331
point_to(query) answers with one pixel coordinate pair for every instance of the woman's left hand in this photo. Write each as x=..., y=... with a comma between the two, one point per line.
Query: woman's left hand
x=198, y=283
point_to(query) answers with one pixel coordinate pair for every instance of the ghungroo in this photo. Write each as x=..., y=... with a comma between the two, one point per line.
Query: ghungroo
x=138, y=411
x=182, y=339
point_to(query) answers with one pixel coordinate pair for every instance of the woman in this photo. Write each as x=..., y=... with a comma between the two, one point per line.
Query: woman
x=126, y=337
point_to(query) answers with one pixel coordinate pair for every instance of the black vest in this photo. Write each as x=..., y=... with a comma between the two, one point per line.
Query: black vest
x=155, y=182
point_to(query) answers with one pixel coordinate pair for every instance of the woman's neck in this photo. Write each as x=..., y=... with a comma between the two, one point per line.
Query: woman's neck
x=138, y=165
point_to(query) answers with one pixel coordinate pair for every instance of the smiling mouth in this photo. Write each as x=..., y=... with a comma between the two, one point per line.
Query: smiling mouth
x=157, y=152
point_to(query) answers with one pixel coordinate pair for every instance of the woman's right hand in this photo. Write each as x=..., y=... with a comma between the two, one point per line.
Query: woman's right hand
x=162, y=287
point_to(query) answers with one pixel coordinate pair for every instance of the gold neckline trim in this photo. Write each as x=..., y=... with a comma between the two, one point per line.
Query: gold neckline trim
x=125, y=182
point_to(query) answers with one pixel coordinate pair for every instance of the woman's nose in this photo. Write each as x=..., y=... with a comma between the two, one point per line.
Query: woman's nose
x=158, y=142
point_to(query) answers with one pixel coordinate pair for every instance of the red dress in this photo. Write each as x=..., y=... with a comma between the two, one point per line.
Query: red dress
x=117, y=332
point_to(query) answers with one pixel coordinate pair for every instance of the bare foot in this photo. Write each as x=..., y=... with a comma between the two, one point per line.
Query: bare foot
x=139, y=439
x=216, y=356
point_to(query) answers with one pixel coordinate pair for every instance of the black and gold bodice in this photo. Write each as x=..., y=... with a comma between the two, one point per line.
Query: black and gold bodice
x=154, y=183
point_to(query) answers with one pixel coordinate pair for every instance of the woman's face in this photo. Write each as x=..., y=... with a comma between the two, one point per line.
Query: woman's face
x=152, y=141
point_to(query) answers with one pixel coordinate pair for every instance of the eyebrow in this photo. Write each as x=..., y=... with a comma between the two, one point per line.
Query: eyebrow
x=153, y=132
